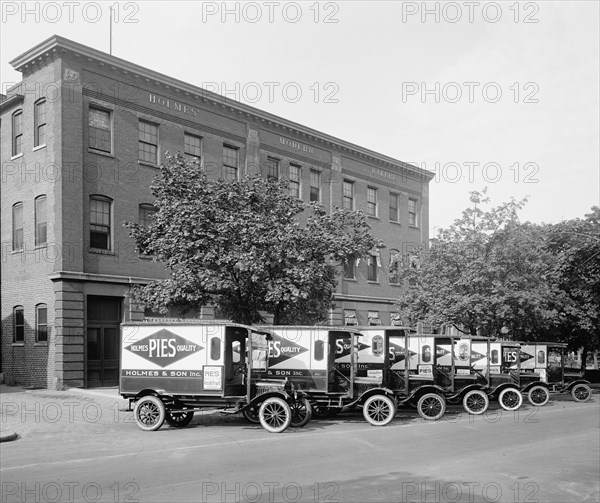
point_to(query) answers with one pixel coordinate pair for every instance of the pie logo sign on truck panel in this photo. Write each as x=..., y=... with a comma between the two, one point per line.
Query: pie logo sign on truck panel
x=164, y=348
x=281, y=349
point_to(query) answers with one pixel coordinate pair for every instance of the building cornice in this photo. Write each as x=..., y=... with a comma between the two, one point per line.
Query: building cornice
x=364, y=298
x=99, y=278
x=57, y=46
x=10, y=102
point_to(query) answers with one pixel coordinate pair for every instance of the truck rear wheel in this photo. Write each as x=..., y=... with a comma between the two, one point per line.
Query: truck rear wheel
x=179, y=419
x=431, y=406
x=510, y=399
x=275, y=415
x=149, y=413
x=251, y=414
x=581, y=392
x=476, y=402
x=301, y=412
x=538, y=396
x=379, y=410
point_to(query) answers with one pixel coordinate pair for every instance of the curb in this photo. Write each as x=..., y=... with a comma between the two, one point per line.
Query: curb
x=9, y=438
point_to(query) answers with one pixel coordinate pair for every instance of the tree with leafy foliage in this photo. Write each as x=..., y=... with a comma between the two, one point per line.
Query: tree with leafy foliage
x=245, y=246
x=575, y=244
x=484, y=274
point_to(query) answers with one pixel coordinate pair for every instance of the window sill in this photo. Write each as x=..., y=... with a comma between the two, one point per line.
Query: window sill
x=373, y=282
x=146, y=257
x=149, y=164
x=100, y=251
x=39, y=147
x=395, y=222
x=18, y=344
x=101, y=152
x=16, y=252
x=41, y=246
x=16, y=156
x=40, y=344
x=353, y=280
x=413, y=227
x=374, y=217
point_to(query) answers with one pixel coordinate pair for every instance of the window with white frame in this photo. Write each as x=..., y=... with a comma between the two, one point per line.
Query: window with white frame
x=39, y=123
x=315, y=186
x=100, y=129
x=41, y=224
x=41, y=323
x=273, y=168
x=372, y=201
x=18, y=324
x=395, y=263
x=394, y=207
x=295, y=171
x=350, y=269
x=348, y=195
x=17, y=133
x=192, y=148
x=148, y=142
x=230, y=162
x=17, y=227
x=413, y=219
x=100, y=222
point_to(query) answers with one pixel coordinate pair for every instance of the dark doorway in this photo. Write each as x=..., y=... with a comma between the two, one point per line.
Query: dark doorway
x=102, y=341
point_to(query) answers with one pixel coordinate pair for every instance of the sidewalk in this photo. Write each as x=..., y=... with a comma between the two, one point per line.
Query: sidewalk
x=39, y=413
x=28, y=412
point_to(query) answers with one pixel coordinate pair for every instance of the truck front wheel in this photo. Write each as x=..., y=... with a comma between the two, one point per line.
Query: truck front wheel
x=149, y=413
x=275, y=415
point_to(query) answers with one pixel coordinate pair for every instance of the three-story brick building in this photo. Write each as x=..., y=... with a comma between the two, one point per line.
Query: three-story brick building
x=82, y=136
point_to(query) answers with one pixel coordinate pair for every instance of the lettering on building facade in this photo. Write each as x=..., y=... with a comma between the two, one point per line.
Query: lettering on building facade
x=383, y=174
x=297, y=145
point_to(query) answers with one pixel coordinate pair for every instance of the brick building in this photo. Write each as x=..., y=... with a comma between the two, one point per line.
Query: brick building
x=83, y=134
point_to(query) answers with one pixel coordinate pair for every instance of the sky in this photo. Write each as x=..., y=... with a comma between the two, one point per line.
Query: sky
x=502, y=95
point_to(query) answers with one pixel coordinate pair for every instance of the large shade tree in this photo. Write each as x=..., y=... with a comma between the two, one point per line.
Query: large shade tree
x=487, y=273
x=575, y=244
x=245, y=246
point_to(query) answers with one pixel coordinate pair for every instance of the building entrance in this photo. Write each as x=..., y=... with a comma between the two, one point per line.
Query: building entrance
x=102, y=341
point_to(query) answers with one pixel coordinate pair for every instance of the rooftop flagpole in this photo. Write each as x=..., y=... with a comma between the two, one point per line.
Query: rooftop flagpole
x=110, y=29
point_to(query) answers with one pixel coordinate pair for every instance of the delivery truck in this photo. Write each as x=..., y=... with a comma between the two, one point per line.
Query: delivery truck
x=171, y=369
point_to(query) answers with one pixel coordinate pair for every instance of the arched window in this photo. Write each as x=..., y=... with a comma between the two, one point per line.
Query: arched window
x=17, y=132
x=41, y=323
x=18, y=324
x=100, y=222
x=40, y=220
x=39, y=121
x=17, y=222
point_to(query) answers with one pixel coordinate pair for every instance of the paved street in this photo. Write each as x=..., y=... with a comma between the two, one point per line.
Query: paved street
x=79, y=446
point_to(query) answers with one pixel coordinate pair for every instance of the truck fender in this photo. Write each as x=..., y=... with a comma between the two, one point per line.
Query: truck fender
x=261, y=398
x=374, y=391
x=578, y=381
x=154, y=392
x=530, y=385
x=501, y=387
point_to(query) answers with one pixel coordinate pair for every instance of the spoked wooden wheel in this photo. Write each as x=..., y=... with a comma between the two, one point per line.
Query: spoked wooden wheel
x=431, y=406
x=251, y=414
x=275, y=415
x=510, y=399
x=149, y=413
x=476, y=402
x=301, y=412
x=538, y=396
x=379, y=410
x=581, y=392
